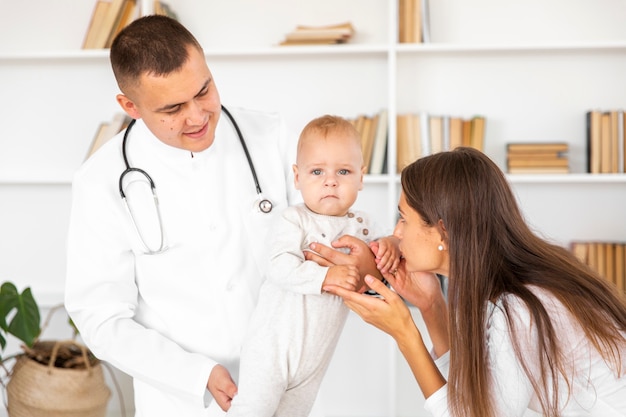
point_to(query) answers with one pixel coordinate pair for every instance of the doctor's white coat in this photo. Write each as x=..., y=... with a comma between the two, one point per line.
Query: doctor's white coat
x=167, y=319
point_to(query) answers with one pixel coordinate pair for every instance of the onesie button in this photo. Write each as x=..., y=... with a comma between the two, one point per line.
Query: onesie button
x=359, y=219
x=350, y=215
x=366, y=232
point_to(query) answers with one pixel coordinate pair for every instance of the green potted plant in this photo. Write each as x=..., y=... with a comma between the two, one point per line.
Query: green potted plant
x=47, y=378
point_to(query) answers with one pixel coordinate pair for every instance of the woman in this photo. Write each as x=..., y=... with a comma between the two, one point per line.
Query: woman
x=529, y=326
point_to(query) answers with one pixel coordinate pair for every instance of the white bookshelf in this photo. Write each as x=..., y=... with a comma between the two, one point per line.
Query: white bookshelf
x=533, y=68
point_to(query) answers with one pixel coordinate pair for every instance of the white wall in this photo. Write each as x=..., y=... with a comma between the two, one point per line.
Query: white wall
x=54, y=97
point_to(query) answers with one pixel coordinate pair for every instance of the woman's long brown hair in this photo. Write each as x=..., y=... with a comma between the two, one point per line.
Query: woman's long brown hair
x=493, y=252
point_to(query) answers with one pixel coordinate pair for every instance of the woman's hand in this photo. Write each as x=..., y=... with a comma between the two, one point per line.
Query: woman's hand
x=389, y=313
x=422, y=289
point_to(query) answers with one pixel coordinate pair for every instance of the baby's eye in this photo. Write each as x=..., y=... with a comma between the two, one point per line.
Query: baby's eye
x=316, y=172
x=344, y=172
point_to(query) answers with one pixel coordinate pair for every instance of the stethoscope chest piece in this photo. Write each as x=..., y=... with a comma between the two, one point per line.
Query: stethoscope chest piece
x=265, y=206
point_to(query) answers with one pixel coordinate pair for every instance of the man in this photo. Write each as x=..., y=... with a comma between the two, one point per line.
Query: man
x=164, y=289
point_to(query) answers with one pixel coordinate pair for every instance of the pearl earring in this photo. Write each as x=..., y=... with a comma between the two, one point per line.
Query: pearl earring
x=440, y=248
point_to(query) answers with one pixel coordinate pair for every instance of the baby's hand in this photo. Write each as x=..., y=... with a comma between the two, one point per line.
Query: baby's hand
x=344, y=276
x=387, y=252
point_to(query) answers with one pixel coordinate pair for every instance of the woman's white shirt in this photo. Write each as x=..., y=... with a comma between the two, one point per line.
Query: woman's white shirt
x=596, y=391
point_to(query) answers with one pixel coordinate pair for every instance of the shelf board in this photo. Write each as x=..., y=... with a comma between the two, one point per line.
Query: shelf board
x=427, y=48
x=340, y=49
x=34, y=182
x=567, y=178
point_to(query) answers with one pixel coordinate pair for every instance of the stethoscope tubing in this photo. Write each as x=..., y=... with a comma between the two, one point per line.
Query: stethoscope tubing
x=264, y=205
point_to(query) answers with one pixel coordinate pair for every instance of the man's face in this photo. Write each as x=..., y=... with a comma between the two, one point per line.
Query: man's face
x=182, y=108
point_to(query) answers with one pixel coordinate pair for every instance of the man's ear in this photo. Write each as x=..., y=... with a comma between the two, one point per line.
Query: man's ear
x=128, y=106
x=295, y=176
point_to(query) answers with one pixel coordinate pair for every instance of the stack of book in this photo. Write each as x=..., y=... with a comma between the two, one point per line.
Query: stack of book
x=606, y=142
x=537, y=158
x=373, y=131
x=421, y=134
x=607, y=258
x=319, y=35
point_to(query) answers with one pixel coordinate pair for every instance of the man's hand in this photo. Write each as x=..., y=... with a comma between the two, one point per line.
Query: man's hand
x=221, y=386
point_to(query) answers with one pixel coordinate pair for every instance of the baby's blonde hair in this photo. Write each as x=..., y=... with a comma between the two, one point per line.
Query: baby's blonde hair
x=320, y=127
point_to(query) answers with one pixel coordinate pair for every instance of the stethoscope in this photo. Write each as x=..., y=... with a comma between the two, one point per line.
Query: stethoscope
x=264, y=205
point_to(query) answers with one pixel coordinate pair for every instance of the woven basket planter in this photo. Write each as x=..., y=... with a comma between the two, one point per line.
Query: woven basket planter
x=38, y=390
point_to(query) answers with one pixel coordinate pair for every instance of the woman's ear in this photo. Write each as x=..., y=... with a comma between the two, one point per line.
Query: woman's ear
x=443, y=231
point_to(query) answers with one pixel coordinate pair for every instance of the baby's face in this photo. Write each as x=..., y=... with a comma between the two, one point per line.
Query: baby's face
x=329, y=173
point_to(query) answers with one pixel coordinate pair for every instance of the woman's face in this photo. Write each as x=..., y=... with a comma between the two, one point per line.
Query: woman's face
x=420, y=242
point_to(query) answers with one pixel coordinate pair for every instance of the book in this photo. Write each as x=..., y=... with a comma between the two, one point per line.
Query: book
x=456, y=132
x=327, y=34
x=106, y=23
x=436, y=134
x=107, y=130
x=477, y=135
x=445, y=124
x=418, y=125
x=614, y=139
x=367, y=138
x=620, y=267
x=425, y=21
x=605, y=143
x=424, y=131
x=537, y=162
x=538, y=170
x=100, y=10
x=127, y=15
x=621, y=142
x=380, y=144
x=466, y=132
x=593, y=141
x=551, y=148
x=98, y=140
x=402, y=141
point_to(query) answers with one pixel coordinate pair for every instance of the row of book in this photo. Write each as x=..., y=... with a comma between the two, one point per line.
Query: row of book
x=111, y=16
x=606, y=141
x=537, y=158
x=319, y=35
x=413, y=21
x=374, y=135
x=607, y=258
x=421, y=134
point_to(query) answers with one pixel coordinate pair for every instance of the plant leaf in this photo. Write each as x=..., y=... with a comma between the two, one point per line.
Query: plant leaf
x=26, y=322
